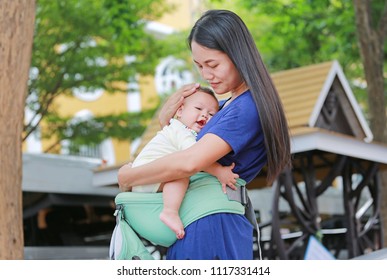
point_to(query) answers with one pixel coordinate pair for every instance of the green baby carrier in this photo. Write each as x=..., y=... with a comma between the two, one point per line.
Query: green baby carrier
x=137, y=214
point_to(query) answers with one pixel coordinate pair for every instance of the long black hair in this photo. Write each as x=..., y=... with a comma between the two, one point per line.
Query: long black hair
x=225, y=31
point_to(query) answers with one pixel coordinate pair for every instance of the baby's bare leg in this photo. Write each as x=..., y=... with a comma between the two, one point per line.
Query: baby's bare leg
x=173, y=195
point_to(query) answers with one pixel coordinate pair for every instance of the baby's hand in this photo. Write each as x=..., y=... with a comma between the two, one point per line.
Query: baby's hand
x=227, y=177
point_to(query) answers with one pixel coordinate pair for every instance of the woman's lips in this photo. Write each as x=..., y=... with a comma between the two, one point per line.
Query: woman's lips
x=214, y=85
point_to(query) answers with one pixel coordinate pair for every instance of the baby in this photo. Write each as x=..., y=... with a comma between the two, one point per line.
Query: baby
x=196, y=110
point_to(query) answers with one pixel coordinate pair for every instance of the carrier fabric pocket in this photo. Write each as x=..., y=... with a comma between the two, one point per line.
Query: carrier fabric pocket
x=125, y=243
x=141, y=212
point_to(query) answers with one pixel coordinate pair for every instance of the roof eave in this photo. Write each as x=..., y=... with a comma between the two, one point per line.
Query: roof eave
x=339, y=144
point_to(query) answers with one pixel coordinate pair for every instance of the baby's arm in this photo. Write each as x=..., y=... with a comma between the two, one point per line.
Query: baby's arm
x=224, y=174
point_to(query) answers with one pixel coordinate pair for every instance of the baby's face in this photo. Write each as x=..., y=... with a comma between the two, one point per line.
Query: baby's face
x=197, y=110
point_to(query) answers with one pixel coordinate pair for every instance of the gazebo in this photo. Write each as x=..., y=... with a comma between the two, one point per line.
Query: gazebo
x=333, y=190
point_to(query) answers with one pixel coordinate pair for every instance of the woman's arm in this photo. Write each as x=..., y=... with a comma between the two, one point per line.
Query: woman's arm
x=174, y=102
x=177, y=165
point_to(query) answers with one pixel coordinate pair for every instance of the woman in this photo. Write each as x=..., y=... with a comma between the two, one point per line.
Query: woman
x=250, y=130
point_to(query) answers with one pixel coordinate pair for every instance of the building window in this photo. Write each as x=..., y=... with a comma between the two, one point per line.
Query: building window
x=104, y=150
x=171, y=74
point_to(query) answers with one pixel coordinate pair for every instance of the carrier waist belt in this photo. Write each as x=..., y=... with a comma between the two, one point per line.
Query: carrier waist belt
x=204, y=197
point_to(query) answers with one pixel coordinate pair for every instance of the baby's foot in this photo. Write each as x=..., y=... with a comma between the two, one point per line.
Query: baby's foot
x=172, y=220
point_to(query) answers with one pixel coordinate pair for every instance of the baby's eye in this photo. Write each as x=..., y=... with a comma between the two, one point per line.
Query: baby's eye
x=198, y=108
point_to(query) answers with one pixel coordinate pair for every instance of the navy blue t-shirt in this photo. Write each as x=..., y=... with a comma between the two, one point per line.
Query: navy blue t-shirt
x=239, y=125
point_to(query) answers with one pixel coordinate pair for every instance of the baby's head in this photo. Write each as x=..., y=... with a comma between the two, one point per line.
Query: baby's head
x=198, y=109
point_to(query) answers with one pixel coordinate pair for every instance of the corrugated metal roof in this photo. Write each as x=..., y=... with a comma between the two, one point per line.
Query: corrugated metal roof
x=63, y=174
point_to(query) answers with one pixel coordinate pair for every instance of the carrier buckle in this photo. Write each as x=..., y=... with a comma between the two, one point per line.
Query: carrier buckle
x=119, y=208
x=244, y=200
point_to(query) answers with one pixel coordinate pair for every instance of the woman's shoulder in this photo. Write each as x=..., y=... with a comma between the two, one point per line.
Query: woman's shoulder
x=246, y=98
x=244, y=106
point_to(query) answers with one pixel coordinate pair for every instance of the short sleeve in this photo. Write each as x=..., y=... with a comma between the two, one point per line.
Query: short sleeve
x=238, y=124
x=237, y=127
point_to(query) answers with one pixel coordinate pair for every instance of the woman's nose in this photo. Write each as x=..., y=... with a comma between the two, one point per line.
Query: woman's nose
x=206, y=74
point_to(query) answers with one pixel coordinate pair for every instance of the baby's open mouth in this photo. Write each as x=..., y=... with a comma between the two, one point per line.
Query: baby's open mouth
x=201, y=123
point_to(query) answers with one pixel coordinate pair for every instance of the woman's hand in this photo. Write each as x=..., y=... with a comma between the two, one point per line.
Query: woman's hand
x=122, y=172
x=173, y=103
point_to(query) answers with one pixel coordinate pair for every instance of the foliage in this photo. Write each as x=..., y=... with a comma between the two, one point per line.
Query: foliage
x=92, y=131
x=305, y=32
x=88, y=45
x=293, y=33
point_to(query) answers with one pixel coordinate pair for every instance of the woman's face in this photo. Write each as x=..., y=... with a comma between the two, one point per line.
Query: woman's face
x=217, y=68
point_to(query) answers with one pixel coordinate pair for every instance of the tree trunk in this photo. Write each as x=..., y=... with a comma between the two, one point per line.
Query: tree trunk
x=371, y=42
x=16, y=35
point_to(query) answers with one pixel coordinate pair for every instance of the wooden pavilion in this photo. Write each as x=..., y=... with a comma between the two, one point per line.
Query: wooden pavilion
x=332, y=148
